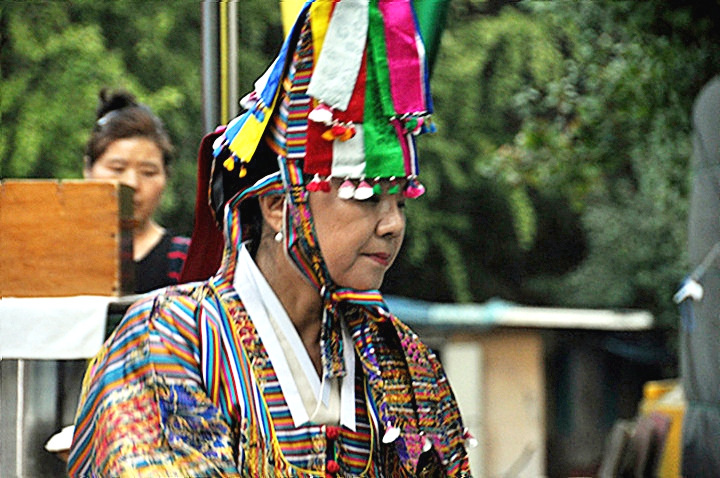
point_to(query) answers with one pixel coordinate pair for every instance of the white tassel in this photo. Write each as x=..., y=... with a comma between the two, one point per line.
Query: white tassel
x=346, y=190
x=391, y=433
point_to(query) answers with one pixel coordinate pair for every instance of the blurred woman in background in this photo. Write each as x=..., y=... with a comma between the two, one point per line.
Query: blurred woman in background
x=129, y=144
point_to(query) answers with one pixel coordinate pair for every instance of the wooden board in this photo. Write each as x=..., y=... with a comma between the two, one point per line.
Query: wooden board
x=64, y=238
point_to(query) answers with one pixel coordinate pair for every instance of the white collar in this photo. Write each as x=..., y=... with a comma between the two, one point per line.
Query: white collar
x=261, y=303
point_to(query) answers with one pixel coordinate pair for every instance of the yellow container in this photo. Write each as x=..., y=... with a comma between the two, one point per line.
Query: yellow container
x=667, y=397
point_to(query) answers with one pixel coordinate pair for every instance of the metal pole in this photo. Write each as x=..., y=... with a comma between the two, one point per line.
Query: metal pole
x=223, y=22
x=233, y=77
x=228, y=60
x=210, y=82
x=20, y=419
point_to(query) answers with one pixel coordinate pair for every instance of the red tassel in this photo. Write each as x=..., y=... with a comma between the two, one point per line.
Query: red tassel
x=414, y=189
x=332, y=466
x=332, y=433
x=314, y=185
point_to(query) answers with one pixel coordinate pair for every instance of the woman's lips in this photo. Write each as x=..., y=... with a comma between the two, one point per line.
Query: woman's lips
x=380, y=257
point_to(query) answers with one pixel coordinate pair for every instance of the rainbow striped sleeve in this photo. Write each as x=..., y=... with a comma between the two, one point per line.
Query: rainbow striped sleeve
x=143, y=401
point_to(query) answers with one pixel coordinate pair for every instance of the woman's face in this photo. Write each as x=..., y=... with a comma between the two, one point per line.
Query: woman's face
x=136, y=162
x=359, y=240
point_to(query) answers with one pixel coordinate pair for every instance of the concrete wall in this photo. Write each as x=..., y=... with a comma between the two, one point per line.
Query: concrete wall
x=499, y=380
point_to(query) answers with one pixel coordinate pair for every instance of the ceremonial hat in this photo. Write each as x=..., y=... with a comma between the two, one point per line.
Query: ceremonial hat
x=345, y=99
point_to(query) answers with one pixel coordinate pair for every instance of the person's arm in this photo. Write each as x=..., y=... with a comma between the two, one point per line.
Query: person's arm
x=143, y=409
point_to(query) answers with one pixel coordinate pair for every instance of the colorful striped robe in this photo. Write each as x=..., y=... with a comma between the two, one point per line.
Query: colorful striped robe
x=183, y=387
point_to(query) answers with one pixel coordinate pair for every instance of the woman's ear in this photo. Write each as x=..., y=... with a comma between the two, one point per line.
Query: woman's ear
x=272, y=208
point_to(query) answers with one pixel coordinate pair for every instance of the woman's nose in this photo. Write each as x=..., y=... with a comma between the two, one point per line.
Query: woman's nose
x=129, y=177
x=392, y=218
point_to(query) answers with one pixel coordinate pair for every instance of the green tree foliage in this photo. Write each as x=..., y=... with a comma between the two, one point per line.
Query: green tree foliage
x=56, y=56
x=51, y=72
x=478, y=232
x=560, y=173
x=630, y=94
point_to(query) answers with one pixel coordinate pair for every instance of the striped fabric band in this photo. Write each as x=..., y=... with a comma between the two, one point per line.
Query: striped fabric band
x=304, y=251
x=409, y=148
x=240, y=398
x=371, y=299
x=288, y=128
x=419, y=407
x=245, y=132
x=298, y=446
x=271, y=184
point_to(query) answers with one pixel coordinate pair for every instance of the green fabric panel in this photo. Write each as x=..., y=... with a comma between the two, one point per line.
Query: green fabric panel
x=383, y=153
x=432, y=16
x=377, y=58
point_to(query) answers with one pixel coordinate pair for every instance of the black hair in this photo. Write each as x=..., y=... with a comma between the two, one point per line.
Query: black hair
x=120, y=116
x=226, y=184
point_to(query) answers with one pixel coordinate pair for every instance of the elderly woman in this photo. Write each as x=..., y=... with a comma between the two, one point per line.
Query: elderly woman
x=287, y=361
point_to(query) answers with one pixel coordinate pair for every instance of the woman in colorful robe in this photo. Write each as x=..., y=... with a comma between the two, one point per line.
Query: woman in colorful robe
x=287, y=361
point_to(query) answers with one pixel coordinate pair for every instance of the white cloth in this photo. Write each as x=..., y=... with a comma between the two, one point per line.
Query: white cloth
x=52, y=328
x=288, y=354
x=336, y=71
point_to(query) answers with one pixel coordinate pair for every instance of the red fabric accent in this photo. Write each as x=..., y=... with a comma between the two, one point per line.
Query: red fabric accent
x=332, y=432
x=318, y=151
x=207, y=241
x=356, y=108
x=332, y=466
x=325, y=186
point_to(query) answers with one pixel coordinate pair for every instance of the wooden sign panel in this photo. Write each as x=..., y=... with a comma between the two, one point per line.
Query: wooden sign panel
x=65, y=238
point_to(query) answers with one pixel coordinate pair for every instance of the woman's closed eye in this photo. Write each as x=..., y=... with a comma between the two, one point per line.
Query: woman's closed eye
x=149, y=172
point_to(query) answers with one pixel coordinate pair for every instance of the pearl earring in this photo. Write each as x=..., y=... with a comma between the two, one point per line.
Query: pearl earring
x=279, y=236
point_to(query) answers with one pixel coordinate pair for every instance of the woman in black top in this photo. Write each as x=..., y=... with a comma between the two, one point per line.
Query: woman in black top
x=129, y=143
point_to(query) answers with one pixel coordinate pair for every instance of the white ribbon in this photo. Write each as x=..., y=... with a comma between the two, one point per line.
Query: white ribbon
x=336, y=72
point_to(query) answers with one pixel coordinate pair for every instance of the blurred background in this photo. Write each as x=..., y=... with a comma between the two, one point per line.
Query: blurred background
x=559, y=176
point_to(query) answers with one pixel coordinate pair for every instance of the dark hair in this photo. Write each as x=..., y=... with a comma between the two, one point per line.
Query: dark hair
x=226, y=184
x=120, y=116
